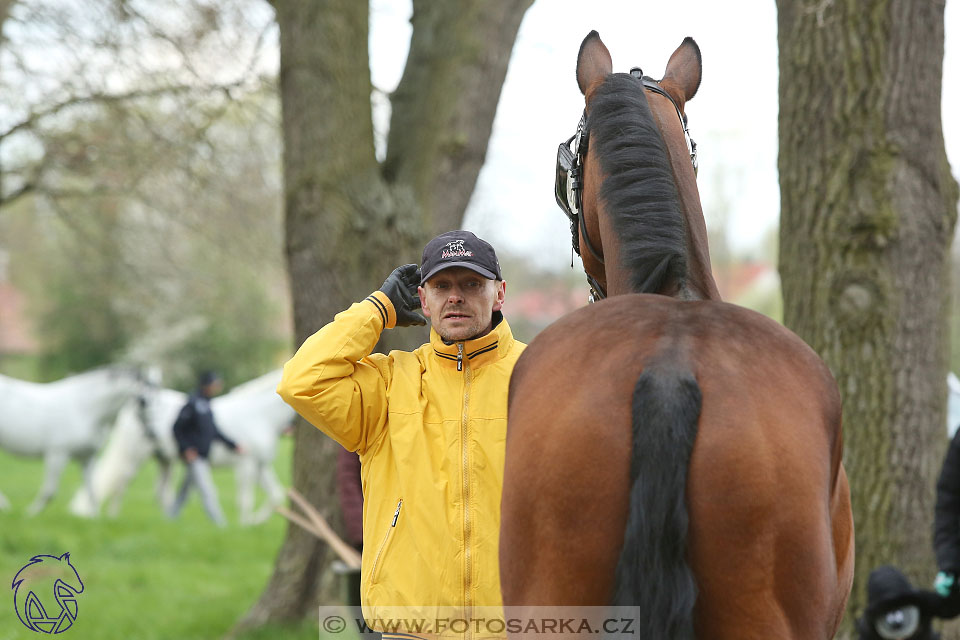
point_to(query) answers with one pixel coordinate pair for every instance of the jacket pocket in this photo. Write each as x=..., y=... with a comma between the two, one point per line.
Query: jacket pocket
x=381, y=551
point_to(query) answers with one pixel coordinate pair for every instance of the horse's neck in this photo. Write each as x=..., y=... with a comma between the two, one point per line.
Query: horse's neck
x=161, y=411
x=617, y=276
x=699, y=284
x=104, y=392
x=619, y=279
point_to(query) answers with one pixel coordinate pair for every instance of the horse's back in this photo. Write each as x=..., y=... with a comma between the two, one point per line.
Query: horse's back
x=30, y=416
x=763, y=479
x=255, y=416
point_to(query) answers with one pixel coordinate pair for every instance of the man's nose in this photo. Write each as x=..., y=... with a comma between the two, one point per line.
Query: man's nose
x=455, y=295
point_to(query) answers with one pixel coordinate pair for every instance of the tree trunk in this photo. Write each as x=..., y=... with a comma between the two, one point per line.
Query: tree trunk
x=326, y=154
x=5, y=6
x=349, y=220
x=868, y=210
x=444, y=107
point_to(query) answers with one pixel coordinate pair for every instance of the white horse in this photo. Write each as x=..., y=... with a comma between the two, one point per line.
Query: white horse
x=251, y=414
x=62, y=420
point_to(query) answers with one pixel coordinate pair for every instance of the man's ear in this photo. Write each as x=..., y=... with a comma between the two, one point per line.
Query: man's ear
x=423, y=302
x=501, y=294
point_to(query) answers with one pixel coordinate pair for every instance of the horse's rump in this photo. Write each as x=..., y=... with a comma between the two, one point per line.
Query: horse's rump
x=761, y=477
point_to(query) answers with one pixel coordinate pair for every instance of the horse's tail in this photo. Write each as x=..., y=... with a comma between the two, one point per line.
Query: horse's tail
x=652, y=572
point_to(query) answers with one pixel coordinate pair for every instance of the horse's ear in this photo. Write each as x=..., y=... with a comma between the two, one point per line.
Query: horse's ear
x=593, y=62
x=684, y=70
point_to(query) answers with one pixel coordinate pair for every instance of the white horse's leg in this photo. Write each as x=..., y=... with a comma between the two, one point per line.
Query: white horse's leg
x=164, y=488
x=81, y=506
x=88, y=484
x=272, y=488
x=53, y=462
x=4, y=503
x=245, y=471
x=122, y=479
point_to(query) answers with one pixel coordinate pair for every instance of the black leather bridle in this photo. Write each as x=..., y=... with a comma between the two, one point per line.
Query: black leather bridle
x=568, y=189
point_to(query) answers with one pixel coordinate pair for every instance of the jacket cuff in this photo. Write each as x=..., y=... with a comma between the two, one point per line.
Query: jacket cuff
x=385, y=310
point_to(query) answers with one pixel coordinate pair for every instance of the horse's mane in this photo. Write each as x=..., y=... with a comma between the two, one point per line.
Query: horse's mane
x=638, y=190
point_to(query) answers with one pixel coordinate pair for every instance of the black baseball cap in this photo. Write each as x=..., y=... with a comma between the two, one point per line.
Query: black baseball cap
x=459, y=249
x=207, y=377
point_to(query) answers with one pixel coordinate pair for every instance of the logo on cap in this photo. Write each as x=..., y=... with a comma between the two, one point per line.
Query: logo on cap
x=455, y=250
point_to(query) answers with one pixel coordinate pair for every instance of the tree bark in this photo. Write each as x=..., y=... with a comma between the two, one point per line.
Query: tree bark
x=5, y=6
x=868, y=207
x=349, y=220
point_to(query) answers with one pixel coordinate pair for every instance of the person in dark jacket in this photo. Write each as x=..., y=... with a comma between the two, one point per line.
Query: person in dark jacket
x=195, y=430
x=946, y=530
x=350, y=489
x=896, y=610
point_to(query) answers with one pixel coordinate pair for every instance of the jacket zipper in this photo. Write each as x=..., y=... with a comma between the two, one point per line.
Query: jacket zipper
x=383, y=545
x=467, y=577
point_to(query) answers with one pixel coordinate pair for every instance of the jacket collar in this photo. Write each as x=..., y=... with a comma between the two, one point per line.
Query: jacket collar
x=477, y=352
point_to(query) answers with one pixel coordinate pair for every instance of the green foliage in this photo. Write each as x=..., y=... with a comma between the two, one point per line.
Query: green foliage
x=25, y=367
x=80, y=329
x=240, y=340
x=80, y=324
x=145, y=576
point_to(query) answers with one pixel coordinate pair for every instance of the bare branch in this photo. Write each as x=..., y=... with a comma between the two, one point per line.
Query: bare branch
x=103, y=98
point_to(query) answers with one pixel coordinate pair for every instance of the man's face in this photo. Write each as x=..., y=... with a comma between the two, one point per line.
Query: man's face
x=213, y=389
x=460, y=303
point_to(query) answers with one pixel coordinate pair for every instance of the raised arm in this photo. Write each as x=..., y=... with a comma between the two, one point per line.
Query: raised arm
x=334, y=382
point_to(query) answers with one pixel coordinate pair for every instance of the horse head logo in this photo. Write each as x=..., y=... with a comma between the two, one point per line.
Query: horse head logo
x=45, y=593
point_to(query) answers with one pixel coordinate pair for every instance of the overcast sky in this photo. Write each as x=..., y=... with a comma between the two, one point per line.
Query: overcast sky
x=733, y=117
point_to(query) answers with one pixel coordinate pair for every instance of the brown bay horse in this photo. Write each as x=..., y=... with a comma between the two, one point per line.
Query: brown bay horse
x=666, y=450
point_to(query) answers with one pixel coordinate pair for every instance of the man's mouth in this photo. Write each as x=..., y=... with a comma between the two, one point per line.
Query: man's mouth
x=455, y=315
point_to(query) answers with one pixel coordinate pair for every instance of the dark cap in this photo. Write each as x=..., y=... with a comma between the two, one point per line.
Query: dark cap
x=208, y=377
x=459, y=249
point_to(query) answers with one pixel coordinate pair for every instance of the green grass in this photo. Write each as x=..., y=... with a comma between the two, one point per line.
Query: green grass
x=144, y=576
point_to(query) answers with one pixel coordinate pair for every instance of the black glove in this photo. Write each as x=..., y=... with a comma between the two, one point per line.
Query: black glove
x=401, y=287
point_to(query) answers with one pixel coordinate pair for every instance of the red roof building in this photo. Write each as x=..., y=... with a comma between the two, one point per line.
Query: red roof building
x=16, y=335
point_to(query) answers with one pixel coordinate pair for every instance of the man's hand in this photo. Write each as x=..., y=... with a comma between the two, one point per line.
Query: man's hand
x=944, y=583
x=401, y=287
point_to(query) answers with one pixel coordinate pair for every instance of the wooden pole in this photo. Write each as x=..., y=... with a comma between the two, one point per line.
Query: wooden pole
x=318, y=526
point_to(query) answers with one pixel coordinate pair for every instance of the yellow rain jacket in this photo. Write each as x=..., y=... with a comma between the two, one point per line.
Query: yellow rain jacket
x=430, y=427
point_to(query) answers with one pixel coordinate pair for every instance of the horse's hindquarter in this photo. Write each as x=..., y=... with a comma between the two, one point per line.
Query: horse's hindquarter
x=763, y=469
x=768, y=534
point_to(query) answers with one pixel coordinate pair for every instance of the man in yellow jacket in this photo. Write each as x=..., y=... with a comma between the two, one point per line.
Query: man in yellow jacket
x=429, y=426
